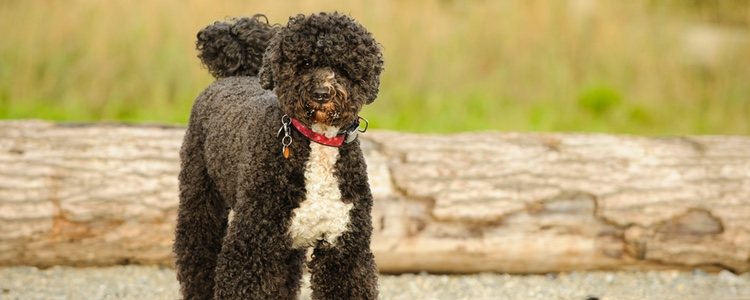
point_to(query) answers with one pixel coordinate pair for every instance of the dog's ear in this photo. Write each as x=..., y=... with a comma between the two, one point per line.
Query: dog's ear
x=269, y=66
x=372, y=84
x=373, y=90
x=266, y=77
x=361, y=55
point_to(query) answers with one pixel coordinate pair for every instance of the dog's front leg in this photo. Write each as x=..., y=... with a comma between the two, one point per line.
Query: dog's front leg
x=257, y=260
x=347, y=270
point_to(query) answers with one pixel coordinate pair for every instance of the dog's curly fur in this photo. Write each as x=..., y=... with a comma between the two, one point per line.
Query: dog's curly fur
x=232, y=159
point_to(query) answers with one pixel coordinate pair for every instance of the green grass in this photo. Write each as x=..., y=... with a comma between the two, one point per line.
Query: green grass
x=520, y=65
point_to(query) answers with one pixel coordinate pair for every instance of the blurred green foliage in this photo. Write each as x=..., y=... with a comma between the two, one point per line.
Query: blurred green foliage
x=644, y=67
x=599, y=100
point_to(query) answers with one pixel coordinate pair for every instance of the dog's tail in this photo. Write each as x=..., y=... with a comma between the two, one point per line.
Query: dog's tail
x=235, y=47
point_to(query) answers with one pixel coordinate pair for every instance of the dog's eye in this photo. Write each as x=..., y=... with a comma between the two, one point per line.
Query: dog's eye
x=303, y=66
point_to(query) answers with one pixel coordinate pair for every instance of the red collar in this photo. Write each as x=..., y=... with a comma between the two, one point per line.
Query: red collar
x=335, y=141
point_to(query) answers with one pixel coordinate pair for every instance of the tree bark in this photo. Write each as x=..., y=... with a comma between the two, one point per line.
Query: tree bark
x=101, y=194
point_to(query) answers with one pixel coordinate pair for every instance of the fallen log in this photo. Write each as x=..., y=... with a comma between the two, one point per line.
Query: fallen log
x=103, y=194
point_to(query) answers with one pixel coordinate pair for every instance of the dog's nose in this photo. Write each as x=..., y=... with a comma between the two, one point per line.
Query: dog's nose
x=321, y=94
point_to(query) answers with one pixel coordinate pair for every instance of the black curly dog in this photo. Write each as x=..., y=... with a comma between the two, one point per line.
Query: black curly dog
x=248, y=151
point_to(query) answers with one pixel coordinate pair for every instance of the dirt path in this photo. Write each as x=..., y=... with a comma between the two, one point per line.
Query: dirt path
x=139, y=282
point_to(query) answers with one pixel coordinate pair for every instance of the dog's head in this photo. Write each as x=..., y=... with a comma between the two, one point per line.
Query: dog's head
x=324, y=67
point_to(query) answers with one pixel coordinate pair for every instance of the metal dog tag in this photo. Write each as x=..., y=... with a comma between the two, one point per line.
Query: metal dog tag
x=287, y=139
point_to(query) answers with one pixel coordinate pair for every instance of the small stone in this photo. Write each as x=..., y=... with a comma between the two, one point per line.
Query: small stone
x=730, y=278
x=609, y=278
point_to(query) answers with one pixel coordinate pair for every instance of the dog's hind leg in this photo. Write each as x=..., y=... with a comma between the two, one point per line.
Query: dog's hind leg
x=201, y=221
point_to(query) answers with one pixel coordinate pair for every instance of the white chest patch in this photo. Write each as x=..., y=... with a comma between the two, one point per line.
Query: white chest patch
x=321, y=216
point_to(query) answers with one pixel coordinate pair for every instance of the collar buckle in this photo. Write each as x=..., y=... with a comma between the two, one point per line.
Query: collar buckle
x=353, y=131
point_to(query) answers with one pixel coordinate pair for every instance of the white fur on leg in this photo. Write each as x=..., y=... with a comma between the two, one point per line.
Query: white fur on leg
x=230, y=217
x=322, y=215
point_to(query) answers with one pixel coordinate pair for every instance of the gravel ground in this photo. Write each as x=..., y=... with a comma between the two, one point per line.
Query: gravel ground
x=139, y=282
